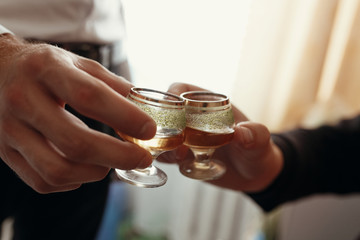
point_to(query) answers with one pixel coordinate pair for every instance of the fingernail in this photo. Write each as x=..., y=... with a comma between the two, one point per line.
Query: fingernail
x=247, y=135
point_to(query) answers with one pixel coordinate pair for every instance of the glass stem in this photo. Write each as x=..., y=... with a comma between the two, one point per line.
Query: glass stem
x=203, y=157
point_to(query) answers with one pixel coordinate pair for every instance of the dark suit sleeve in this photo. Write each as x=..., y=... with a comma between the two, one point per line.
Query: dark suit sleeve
x=316, y=161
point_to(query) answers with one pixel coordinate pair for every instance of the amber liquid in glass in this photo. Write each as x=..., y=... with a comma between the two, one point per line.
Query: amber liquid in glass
x=159, y=143
x=201, y=139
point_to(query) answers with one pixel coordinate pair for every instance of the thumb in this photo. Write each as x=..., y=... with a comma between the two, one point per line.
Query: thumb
x=251, y=145
x=251, y=136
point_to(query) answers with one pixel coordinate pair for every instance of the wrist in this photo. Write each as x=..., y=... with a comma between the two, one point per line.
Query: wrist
x=276, y=165
x=270, y=168
x=10, y=46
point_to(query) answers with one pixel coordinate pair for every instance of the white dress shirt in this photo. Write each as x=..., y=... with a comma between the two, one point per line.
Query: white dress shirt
x=4, y=30
x=96, y=21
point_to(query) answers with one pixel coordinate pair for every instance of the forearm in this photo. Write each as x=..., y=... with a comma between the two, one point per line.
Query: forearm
x=281, y=190
x=321, y=160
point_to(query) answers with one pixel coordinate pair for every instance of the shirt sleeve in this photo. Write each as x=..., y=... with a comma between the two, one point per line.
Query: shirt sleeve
x=4, y=30
x=316, y=161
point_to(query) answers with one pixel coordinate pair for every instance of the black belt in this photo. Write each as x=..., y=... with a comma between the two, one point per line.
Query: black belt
x=102, y=53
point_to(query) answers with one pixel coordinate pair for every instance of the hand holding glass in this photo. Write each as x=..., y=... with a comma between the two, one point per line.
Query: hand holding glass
x=209, y=125
x=168, y=112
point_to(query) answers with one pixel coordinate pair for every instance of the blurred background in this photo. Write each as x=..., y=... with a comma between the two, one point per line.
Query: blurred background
x=197, y=42
x=284, y=64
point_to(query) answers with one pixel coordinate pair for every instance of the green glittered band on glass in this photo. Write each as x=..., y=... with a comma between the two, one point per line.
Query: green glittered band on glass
x=165, y=118
x=220, y=121
x=161, y=106
x=208, y=111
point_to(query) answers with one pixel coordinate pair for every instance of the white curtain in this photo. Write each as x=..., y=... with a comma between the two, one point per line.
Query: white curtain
x=300, y=58
x=298, y=65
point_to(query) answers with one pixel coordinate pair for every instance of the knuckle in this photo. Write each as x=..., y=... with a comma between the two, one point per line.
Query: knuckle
x=35, y=61
x=96, y=66
x=57, y=176
x=15, y=97
x=43, y=58
x=7, y=128
x=86, y=94
x=174, y=85
x=44, y=61
x=101, y=174
x=42, y=187
x=76, y=149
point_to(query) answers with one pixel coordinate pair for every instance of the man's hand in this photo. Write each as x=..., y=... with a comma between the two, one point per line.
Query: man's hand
x=253, y=161
x=50, y=149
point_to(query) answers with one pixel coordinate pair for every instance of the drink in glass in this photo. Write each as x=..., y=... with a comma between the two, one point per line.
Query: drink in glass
x=209, y=125
x=168, y=111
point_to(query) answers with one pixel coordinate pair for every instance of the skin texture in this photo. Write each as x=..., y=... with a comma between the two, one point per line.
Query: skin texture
x=50, y=149
x=253, y=161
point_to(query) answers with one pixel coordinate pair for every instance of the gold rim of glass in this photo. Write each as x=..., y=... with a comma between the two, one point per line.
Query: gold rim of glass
x=156, y=97
x=205, y=99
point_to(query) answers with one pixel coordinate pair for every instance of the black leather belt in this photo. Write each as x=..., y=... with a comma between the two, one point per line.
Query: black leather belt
x=102, y=53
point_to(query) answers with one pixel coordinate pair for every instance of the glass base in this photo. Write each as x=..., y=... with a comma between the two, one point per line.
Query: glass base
x=203, y=171
x=149, y=177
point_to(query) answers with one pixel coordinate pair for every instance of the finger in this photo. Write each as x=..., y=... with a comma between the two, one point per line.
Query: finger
x=47, y=161
x=19, y=165
x=178, y=88
x=176, y=156
x=82, y=144
x=251, y=135
x=252, y=144
x=72, y=137
x=119, y=84
x=100, y=102
x=95, y=99
x=247, y=158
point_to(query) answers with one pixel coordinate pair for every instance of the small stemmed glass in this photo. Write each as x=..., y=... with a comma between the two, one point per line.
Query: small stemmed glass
x=168, y=111
x=209, y=125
